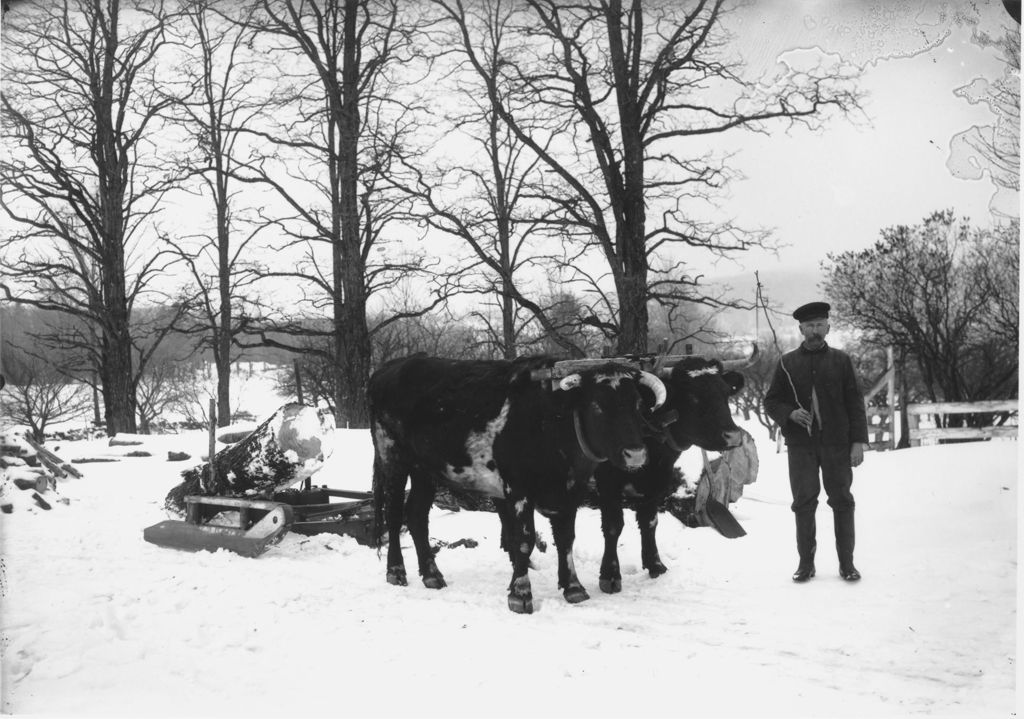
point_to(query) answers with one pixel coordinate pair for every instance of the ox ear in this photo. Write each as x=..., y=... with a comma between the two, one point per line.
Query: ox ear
x=571, y=381
x=735, y=381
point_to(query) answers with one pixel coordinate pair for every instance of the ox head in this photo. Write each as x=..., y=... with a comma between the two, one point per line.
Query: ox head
x=608, y=406
x=698, y=392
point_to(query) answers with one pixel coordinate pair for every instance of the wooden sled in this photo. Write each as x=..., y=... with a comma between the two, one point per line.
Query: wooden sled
x=249, y=527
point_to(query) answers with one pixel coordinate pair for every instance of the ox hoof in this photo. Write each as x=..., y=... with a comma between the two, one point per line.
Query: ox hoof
x=611, y=586
x=435, y=582
x=396, y=576
x=575, y=594
x=656, y=569
x=520, y=605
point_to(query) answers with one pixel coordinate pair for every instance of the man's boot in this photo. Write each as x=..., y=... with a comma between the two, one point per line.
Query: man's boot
x=805, y=546
x=845, y=537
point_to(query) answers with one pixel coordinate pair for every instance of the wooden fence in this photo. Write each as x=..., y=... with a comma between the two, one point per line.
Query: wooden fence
x=887, y=416
x=883, y=422
x=931, y=435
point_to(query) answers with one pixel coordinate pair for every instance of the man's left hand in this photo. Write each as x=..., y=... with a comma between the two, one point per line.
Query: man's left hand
x=856, y=454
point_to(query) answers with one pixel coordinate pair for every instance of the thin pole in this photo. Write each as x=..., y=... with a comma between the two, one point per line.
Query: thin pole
x=298, y=382
x=213, y=444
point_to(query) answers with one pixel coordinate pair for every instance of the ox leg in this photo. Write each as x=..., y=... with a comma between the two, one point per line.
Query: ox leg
x=507, y=518
x=521, y=537
x=394, y=516
x=563, y=527
x=417, y=514
x=647, y=521
x=611, y=526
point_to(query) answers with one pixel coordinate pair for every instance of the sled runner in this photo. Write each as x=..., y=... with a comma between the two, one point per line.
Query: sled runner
x=249, y=527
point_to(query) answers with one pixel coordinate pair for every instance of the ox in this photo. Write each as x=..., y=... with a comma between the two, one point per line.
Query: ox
x=488, y=427
x=696, y=412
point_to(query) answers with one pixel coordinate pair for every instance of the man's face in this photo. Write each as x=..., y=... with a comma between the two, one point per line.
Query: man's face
x=814, y=332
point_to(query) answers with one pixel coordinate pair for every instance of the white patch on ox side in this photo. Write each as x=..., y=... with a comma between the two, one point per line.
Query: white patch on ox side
x=702, y=371
x=383, y=440
x=480, y=448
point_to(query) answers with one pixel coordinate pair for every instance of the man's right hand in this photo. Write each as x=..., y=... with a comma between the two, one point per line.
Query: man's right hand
x=802, y=417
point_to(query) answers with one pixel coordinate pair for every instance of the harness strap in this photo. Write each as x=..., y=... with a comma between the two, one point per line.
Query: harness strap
x=659, y=427
x=577, y=424
x=667, y=436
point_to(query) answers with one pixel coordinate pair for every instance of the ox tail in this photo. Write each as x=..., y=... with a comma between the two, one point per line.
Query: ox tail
x=380, y=490
x=380, y=501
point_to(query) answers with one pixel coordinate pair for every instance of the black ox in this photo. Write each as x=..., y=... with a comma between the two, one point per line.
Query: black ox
x=488, y=427
x=695, y=412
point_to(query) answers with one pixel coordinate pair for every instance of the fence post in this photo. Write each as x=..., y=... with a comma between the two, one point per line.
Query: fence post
x=892, y=398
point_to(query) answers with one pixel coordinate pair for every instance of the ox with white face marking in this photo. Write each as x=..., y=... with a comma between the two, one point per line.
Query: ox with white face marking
x=489, y=427
x=699, y=391
x=482, y=473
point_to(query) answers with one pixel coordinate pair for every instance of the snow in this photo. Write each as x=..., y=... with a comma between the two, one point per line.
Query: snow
x=97, y=622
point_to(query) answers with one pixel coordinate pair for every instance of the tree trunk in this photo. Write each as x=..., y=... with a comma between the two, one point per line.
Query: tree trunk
x=118, y=391
x=285, y=449
x=904, y=442
x=633, y=319
x=112, y=177
x=351, y=333
x=631, y=214
x=222, y=352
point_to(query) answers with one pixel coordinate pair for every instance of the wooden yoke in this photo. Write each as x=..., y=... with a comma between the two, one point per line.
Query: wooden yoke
x=660, y=365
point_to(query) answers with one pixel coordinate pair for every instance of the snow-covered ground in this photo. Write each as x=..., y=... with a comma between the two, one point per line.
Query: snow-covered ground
x=95, y=621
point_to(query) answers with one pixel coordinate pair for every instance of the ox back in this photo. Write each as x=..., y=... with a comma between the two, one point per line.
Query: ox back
x=487, y=427
x=698, y=407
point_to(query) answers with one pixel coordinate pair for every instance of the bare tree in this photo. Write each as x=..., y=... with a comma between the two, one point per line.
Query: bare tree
x=38, y=395
x=479, y=188
x=80, y=179
x=337, y=120
x=930, y=291
x=218, y=91
x=630, y=83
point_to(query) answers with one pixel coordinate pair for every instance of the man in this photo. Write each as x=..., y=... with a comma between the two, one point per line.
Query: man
x=816, y=400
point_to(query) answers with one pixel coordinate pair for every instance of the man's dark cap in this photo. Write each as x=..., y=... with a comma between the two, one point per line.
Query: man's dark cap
x=812, y=311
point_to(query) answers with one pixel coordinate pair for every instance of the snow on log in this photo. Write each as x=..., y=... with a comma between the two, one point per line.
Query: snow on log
x=123, y=439
x=288, y=447
x=236, y=432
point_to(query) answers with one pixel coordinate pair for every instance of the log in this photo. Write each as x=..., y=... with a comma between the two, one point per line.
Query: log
x=51, y=461
x=288, y=447
x=125, y=440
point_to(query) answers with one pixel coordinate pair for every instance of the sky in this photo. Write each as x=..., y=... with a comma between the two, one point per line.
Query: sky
x=836, y=189
x=96, y=622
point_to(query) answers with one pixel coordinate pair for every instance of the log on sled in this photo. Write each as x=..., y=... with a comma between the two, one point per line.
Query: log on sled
x=290, y=446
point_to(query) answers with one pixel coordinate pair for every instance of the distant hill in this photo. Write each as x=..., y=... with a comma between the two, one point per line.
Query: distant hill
x=784, y=290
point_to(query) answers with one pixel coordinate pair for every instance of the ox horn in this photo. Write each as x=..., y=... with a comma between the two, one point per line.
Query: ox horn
x=652, y=382
x=738, y=364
